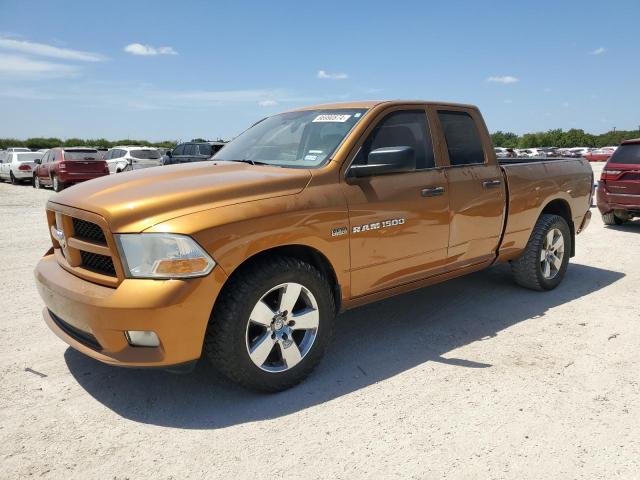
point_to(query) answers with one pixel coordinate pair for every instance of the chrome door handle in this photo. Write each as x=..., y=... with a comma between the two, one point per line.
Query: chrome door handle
x=432, y=191
x=491, y=183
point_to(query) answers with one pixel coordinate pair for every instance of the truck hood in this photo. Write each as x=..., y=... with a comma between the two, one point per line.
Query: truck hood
x=134, y=201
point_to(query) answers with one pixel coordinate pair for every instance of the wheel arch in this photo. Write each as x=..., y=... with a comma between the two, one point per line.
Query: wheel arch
x=562, y=208
x=302, y=252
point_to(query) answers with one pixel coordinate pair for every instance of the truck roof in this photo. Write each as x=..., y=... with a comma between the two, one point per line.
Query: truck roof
x=373, y=103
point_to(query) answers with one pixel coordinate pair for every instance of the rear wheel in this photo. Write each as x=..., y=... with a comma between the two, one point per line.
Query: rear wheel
x=612, y=219
x=57, y=184
x=543, y=264
x=272, y=324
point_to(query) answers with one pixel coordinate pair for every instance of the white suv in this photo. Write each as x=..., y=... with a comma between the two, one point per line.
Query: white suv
x=124, y=158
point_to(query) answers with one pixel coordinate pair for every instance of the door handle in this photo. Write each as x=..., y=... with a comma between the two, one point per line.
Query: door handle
x=432, y=191
x=491, y=183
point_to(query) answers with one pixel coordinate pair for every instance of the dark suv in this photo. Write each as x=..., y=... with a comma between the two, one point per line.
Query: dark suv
x=192, y=152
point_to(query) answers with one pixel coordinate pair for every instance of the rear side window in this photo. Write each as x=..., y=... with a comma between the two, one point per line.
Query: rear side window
x=401, y=129
x=190, y=149
x=205, y=149
x=462, y=137
x=629, y=154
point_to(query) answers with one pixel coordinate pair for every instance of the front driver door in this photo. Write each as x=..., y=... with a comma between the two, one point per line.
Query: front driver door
x=399, y=223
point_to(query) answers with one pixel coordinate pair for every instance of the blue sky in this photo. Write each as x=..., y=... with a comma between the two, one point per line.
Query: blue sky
x=179, y=70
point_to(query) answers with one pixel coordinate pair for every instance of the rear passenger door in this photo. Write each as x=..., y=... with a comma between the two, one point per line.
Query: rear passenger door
x=399, y=223
x=476, y=188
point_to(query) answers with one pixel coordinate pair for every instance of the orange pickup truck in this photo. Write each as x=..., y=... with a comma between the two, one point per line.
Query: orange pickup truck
x=249, y=257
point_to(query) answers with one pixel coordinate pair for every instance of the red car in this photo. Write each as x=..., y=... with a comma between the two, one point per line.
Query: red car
x=600, y=155
x=619, y=186
x=61, y=167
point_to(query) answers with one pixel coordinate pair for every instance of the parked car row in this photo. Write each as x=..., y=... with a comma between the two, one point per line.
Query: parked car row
x=591, y=154
x=64, y=166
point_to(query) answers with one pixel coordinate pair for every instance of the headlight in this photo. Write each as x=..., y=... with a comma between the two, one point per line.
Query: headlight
x=162, y=255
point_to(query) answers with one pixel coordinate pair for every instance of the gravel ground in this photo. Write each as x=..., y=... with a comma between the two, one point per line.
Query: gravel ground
x=474, y=378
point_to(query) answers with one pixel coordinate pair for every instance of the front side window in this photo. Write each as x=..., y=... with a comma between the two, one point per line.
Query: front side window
x=401, y=129
x=306, y=138
x=462, y=137
x=190, y=149
x=179, y=150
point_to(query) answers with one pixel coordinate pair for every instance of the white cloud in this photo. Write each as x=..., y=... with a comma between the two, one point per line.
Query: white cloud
x=28, y=68
x=565, y=104
x=506, y=79
x=267, y=103
x=507, y=100
x=547, y=90
x=331, y=76
x=44, y=50
x=598, y=51
x=148, y=50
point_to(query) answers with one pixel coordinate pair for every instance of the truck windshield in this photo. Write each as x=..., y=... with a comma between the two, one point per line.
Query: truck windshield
x=629, y=153
x=305, y=138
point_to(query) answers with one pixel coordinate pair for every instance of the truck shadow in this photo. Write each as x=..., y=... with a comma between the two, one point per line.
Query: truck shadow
x=372, y=343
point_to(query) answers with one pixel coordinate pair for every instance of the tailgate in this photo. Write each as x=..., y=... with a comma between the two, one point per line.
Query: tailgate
x=85, y=166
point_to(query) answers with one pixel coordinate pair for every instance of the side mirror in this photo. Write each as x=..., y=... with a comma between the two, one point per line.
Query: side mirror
x=382, y=161
x=168, y=153
x=37, y=161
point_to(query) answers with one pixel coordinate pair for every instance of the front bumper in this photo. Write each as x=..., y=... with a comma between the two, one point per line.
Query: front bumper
x=93, y=319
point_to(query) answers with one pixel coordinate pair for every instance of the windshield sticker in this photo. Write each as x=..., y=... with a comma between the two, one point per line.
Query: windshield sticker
x=357, y=115
x=315, y=151
x=310, y=158
x=331, y=118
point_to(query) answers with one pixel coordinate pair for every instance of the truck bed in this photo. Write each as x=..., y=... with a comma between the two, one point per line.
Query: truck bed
x=532, y=183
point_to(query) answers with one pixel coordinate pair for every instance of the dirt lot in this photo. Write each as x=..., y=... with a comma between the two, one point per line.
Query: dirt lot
x=474, y=378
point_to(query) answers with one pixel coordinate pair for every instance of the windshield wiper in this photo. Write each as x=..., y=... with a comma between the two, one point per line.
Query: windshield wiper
x=253, y=162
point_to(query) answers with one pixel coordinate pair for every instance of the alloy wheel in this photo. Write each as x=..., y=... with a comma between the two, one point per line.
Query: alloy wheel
x=552, y=253
x=282, y=327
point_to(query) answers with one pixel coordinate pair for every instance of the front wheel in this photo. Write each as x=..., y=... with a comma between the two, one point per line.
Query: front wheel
x=544, y=262
x=272, y=324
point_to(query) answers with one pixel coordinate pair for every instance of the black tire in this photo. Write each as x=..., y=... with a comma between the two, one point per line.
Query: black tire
x=12, y=179
x=528, y=268
x=612, y=219
x=56, y=184
x=225, y=340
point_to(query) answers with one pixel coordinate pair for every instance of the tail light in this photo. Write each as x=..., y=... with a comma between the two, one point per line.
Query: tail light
x=24, y=167
x=610, y=174
x=62, y=166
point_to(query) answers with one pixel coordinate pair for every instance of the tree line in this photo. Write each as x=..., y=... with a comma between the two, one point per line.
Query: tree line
x=551, y=138
x=37, y=143
x=561, y=138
